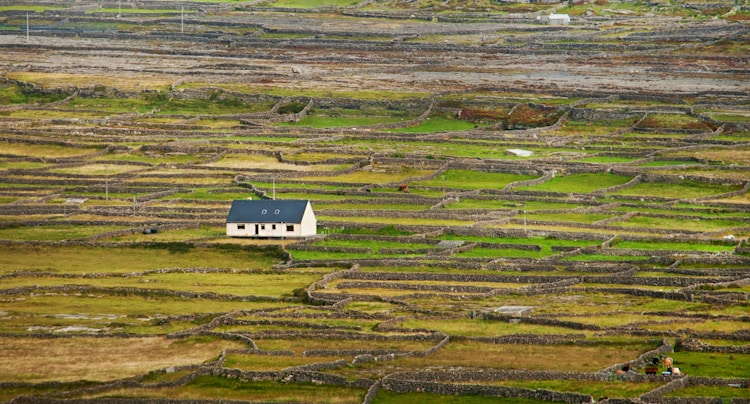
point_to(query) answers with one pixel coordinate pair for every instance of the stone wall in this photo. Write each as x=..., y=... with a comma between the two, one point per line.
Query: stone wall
x=400, y=385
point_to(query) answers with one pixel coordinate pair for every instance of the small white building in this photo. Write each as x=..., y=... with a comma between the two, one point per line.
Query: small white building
x=519, y=152
x=271, y=218
x=559, y=19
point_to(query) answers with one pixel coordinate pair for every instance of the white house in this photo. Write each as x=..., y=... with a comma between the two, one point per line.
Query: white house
x=519, y=152
x=559, y=19
x=271, y=218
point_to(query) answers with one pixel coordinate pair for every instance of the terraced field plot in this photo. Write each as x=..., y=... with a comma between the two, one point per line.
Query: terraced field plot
x=508, y=211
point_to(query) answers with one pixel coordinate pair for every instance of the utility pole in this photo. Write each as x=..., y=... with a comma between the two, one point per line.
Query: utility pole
x=182, y=18
x=27, y=27
x=133, y=224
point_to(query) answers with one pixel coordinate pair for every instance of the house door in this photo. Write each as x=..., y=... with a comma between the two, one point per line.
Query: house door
x=256, y=229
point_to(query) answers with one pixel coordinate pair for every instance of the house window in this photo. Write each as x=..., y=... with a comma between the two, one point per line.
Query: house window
x=263, y=212
x=273, y=227
x=290, y=227
x=263, y=227
x=240, y=227
x=276, y=211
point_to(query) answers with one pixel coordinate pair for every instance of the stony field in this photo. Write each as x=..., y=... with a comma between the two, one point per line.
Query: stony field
x=508, y=211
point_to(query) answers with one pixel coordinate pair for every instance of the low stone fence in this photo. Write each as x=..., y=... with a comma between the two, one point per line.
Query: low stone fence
x=695, y=345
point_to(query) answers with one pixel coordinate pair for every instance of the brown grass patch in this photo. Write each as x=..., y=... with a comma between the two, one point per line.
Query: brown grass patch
x=100, y=359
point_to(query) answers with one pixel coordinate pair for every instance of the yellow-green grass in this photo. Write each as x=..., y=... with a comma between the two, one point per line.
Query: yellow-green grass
x=590, y=128
x=207, y=388
x=491, y=253
x=158, y=173
x=42, y=114
x=569, y=358
x=721, y=342
x=138, y=11
x=562, y=228
x=218, y=123
x=579, y=301
x=698, y=325
x=495, y=285
x=578, y=183
x=22, y=165
x=725, y=392
x=304, y=322
x=371, y=206
x=593, y=284
x=743, y=199
x=397, y=174
x=682, y=190
x=313, y=3
x=215, y=104
x=509, y=204
x=304, y=90
x=101, y=359
x=46, y=150
x=374, y=245
x=107, y=312
x=83, y=260
x=735, y=174
x=237, y=284
x=470, y=179
x=97, y=169
x=114, y=105
x=30, y=8
x=257, y=161
x=711, y=364
x=661, y=245
x=275, y=362
x=385, y=292
x=483, y=149
x=54, y=232
x=176, y=235
x=124, y=82
x=546, y=243
x=674, y=121
x=585, y=256
x=372, y=307
x=313, y=157
x=321, y=121
x=397, y=221
x=699, y=211
x=567, y=217
x=614, y=319
x=300, y=345
x=207, y=195
x=697, y=224
x=153, y=158
x=217, y=179
x=477, y=328
x=605, y=159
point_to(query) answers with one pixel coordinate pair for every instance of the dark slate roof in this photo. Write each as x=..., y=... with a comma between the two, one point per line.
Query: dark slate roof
x=267, y=211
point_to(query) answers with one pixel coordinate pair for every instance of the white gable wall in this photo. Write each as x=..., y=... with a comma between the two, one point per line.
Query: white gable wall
x=309, y=225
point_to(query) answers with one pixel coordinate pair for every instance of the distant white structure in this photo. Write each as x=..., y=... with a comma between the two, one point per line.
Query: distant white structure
x=559, y=19
x=514, y=310
x=520, y=152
